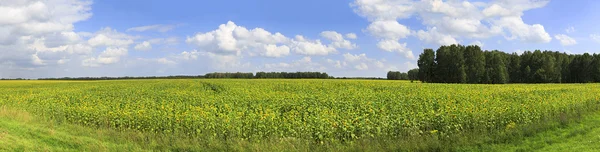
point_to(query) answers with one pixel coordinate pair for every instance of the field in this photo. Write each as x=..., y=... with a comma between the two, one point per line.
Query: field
x=291, y=115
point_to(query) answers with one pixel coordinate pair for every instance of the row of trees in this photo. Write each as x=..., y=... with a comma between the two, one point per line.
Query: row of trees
x=292, y=75
x=270, y=75
x=469, y=64
x=397, y=75
x=237, y=75
x=127, y=77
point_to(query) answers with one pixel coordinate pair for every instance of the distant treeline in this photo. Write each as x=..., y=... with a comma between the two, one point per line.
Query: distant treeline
x=292, y=75
x=270, y=75
x=469, y=64
x=397, y=75
x=236, y=75
x=127, y=77
x=15, y=79
x=361, y=78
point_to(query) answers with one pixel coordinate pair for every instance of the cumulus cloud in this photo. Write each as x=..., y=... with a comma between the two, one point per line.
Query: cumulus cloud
x=109, y=37
x=447, y=21
x=30, y=30
x=109, y=56
x=231, y=39
x=338, y=41
x=435, y=37
x=303, y=46
x=144, y=46
x=395, y=46
x=565, y=40
x=191, y=55
x=351, y=36
x=156, y=27
x=388, y=29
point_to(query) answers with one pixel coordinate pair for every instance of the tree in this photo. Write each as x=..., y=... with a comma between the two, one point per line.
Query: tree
x=413, y=74
x=497, y=69
x=596, y=68
x=514, y=68
x=427, y=65
x=475, y=64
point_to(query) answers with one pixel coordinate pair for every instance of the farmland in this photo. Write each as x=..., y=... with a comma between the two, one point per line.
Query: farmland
x=319, y=113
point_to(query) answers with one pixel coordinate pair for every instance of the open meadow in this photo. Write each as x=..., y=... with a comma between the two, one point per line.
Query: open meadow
x=283, y=114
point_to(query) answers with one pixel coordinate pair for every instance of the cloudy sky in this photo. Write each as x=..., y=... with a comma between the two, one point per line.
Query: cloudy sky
x=58, y=38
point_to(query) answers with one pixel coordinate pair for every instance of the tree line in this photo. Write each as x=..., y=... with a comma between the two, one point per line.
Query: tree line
x=271, y=75
x=292, y=75
x=127, y=77
x=214, y=75
x=411, y=75
x=469, y=64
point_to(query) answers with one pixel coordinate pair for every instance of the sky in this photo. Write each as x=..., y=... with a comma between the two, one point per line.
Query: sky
x=352, y=38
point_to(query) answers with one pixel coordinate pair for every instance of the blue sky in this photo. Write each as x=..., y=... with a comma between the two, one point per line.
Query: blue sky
x=58, y=38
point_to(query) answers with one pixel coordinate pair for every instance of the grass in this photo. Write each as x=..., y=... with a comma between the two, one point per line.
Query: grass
x=582, y=134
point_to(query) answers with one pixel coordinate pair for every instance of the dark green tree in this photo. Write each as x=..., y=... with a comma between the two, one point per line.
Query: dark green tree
x=427, y=65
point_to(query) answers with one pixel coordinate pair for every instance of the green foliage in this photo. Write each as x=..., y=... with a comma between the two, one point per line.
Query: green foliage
x=397, y=75
x=427, y=66
x=292, y=75
x=460, y=64
x=413, y=74
x=237, y=75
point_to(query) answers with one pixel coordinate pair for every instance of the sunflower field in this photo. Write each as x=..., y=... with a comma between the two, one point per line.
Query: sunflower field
x=317, y=110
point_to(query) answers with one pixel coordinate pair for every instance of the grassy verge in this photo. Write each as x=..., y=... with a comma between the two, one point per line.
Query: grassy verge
x=581, y=134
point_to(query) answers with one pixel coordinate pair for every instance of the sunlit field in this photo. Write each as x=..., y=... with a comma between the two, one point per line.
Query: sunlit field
x=305, y=114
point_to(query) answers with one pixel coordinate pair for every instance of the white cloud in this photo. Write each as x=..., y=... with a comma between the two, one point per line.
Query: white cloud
x=144, y=46
x=191, y=55
x=570, y=29
x=37, y=33
x=36, y=60
x=272, y=50
x=351, y=36
x=110, y=38
x=156, y=27
x=565, y=40
x=395, y=46
x=337, y=40
x=354, y=58
x=384, y=9
x=526, y=33
x=435, y=37
x=478, y=43
x=358, y=62
x=304, y=46
x=388, y=29
x=453, y=19
x=361, y=66
x=166, y=61
x=595, y=37
x=109, y=56
x=225, y=62
x=231, y=39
